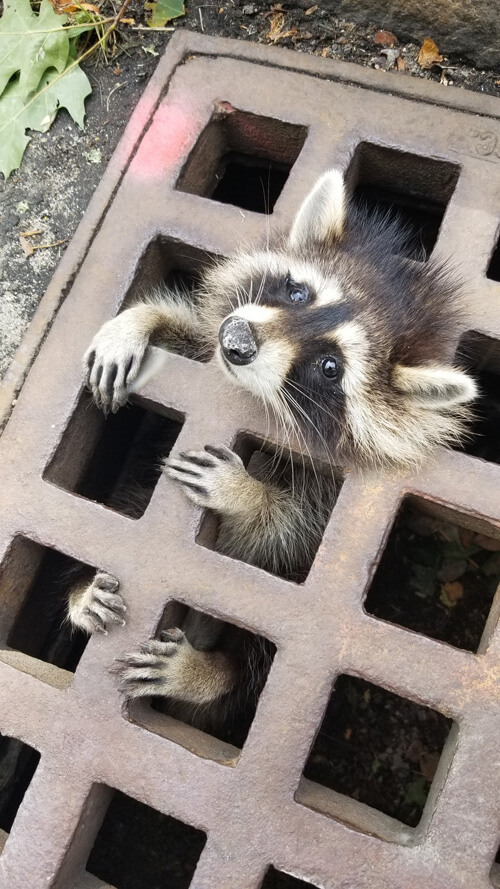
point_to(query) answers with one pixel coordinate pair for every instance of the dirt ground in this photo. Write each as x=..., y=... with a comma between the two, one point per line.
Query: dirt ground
x=434, y=578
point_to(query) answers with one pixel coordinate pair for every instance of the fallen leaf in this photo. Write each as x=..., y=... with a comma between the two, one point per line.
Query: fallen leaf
x=26, y=246
x=429, y=54
x=163, y=11
x=385, y=38
x=490, y=543
x=400, y=64
x=451, y=593
x=311, y=9
x=277, y=23
x=276, y=31
x=117, y=70
x=391, y=56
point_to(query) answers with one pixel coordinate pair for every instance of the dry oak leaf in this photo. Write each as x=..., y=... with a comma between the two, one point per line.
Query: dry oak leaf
x=451, y=593
x=276, y=31
x=429, y=54
x=385, y=38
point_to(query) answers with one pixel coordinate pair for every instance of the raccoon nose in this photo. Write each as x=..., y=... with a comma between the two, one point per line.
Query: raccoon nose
x=237, y=341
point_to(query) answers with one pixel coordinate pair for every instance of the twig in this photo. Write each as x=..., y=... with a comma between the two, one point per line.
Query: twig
x=46, y=246
x=115, y=88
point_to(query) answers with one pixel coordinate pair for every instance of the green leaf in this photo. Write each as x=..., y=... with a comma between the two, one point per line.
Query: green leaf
x=31, y=44
x=66, y=90
x=163, y=11
x=13, y=140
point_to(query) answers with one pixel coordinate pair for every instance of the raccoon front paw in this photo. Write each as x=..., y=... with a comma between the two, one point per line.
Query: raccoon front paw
x=214, y=478
x=99, y=605
x=112, y=362
x=159, y=668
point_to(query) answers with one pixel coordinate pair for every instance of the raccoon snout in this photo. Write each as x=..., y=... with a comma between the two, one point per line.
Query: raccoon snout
x=237, y=341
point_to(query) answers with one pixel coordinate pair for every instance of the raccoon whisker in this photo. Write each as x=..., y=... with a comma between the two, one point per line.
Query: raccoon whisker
x=303, y=392
x=300, y=436
x=294, y=404
x=281, y=416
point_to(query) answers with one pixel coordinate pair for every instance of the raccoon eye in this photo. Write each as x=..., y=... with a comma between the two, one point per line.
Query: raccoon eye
x=298, y=293
x=330, y=367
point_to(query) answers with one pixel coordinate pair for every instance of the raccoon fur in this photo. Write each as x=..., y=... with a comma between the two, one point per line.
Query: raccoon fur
x=347, y=342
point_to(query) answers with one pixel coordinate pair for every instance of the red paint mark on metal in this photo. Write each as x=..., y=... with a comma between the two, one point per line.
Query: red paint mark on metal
x=174, y=128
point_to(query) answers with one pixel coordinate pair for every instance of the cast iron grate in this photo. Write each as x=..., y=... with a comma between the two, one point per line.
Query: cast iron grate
x=251, y=816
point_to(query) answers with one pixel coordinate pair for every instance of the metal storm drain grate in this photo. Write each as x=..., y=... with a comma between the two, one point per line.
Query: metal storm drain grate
x=227, y=139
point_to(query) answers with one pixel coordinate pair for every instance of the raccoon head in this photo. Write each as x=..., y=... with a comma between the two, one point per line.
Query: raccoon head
x=340, y=334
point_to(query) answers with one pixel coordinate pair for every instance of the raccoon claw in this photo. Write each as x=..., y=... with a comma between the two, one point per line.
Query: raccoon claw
x=98, y=606
x=112, y=363
x=156, y=669
x=211, y=478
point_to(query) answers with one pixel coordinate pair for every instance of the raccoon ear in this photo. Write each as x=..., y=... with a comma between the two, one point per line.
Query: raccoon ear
x=434, y=386
x=322, y=215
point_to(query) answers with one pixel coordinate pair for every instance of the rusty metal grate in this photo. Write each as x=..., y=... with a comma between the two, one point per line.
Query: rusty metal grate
x=214, y=111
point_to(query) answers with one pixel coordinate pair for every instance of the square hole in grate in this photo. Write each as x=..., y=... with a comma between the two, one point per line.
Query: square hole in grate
x=495, y=871
x=438, y=577
x=114, y=460
x=415, y=189
x=139, y=848
x=493, y=271
x=378, y=748
x=481, y=355
x=242, y=159
x=34, y=585
x=320, y=485
x=277, y=879
x=167, y=262
x=222, y=650
x=18, y=764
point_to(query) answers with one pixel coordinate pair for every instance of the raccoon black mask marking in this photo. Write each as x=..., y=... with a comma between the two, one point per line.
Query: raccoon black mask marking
x=343, y=339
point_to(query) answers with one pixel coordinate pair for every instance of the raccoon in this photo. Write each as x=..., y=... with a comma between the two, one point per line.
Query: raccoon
x=347, y=342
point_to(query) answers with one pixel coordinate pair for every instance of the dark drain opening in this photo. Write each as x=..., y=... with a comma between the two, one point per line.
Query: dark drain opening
x=18, y=764
x=286, y=471
x=413, y=188
x=276, y=879
x=481, y=355
x=378, y=748
x=493, y=272
x=167, y=262
x=122, y=457
x=437, y=577
x=242, y=159
x=139, y=848
x=249, y=184
x=230, y=720
x=495, y=871
x=34, y=584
